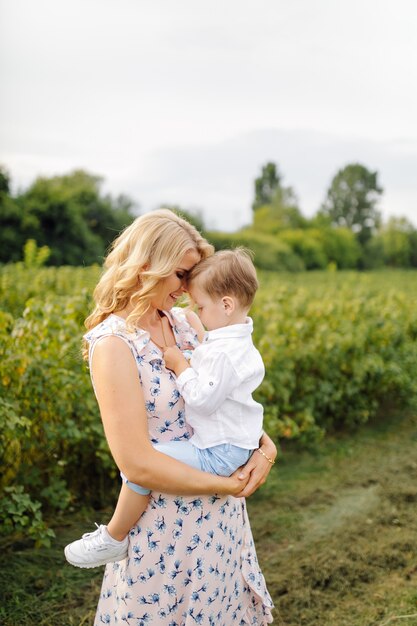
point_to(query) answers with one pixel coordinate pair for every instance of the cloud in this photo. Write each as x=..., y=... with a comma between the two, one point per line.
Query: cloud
x=218, y=177
x=184, y=102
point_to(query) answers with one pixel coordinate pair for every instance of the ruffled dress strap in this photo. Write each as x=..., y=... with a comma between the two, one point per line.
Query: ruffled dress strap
x=115, y=326
x=185, y=335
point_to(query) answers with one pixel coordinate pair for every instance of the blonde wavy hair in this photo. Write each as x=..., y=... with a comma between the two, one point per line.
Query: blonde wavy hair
x=143, y=255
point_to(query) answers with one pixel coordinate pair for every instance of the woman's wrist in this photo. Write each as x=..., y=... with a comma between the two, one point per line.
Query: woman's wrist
x=226, y=486
x=267, y=446
x=268, y=458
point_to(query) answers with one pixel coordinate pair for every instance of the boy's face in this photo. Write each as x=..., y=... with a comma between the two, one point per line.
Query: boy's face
x=211, y=312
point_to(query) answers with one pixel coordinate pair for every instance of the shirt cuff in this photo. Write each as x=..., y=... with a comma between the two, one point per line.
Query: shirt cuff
x=185, y=376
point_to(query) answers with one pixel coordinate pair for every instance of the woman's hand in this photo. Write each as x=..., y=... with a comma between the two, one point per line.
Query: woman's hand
x=234, y=484
x=256, y=470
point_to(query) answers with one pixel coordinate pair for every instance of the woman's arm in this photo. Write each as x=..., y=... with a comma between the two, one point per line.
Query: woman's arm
x=122, y=409
x=258, y=467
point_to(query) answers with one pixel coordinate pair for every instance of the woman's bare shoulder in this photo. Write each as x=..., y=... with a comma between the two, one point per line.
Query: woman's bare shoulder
x=111, y=343
x=112, y=350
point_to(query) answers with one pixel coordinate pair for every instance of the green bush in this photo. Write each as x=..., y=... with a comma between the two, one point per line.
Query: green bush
x=339, y=245
x=269, y=252
x=306, y=246
x=396, y=242
x=334, y=352
x=337, y=346
x=52, y=448
x=18, y=283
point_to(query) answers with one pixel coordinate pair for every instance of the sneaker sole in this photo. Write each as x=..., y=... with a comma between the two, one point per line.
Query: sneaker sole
x=91, y=565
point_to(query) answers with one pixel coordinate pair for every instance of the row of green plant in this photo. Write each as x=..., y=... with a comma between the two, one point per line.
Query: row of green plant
x=337, y=349
x=337, y=346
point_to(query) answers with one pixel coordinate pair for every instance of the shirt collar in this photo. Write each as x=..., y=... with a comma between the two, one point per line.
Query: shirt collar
x=232, y=331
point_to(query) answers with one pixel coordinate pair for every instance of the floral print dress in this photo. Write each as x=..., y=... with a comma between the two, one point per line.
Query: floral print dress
x=191, y=560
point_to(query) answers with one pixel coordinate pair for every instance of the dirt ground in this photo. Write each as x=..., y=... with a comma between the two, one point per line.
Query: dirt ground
x=336, y=530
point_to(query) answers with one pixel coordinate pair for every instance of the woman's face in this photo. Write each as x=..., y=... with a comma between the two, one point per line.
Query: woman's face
x=172, y=287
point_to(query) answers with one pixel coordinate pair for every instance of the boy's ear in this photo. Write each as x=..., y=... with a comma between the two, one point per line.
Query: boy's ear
x=228, y=304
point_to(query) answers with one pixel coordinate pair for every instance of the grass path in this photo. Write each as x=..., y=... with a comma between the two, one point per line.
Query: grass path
x=335, y=533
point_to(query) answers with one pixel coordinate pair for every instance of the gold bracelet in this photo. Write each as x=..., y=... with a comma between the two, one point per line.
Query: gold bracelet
x=267, y=457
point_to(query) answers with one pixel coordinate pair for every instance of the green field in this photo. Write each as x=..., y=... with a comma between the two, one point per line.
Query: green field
x=335, y=525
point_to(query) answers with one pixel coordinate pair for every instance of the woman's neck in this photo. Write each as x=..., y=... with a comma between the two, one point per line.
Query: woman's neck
x=150, y=319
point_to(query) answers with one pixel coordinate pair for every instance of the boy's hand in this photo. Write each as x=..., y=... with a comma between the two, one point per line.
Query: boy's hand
x=175, y=360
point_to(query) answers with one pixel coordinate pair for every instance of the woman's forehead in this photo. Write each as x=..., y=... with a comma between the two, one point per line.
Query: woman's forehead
x=190, y=258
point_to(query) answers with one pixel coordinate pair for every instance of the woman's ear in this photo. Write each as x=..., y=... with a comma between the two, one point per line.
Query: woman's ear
x=144, y=268
x=228, y=304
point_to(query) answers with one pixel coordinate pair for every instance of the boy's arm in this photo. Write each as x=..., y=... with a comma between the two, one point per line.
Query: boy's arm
x=195, y=322
x=206, y=389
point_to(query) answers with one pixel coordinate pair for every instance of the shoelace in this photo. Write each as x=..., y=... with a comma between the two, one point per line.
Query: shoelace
x=94, y=538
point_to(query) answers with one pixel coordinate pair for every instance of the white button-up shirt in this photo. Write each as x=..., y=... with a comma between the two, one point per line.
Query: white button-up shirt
x=226, y=368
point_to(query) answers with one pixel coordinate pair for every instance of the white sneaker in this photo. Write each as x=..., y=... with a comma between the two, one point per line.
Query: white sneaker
x=95, y=549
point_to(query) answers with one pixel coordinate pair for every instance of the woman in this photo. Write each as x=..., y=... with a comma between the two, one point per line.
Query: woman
x=191, y=559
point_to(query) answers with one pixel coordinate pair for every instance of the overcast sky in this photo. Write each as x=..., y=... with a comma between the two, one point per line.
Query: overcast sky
x=183, y=101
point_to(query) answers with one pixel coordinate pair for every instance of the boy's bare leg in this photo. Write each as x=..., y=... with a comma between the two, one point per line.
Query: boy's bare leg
x=129, y=508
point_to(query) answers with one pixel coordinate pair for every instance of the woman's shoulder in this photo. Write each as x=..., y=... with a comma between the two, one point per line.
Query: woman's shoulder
x=112, y=325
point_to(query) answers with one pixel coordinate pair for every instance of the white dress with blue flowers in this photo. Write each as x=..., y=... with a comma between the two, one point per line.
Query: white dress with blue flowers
x=191, y=560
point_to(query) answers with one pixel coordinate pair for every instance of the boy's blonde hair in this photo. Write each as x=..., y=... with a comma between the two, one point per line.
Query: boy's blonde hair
x=227, y=273
x=144, y=254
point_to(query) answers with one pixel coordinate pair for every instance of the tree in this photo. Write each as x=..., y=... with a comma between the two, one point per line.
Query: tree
x=11, y=238
x=266, y=185
x=275, y=206
x=70, y=215
x=351, y=201
x=281, y=214
x=4, y=181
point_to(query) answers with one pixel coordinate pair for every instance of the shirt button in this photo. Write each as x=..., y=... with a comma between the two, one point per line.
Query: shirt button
x=211, y=383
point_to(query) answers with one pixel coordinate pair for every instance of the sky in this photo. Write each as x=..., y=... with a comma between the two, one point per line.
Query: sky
x=182, y=101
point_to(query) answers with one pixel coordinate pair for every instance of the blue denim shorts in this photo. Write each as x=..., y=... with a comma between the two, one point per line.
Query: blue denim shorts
x=221, y=460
